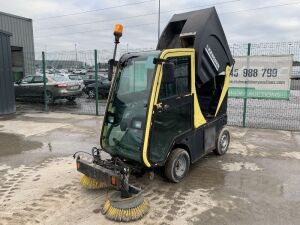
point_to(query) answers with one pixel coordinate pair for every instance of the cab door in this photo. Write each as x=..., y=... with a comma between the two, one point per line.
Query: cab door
x=172, y=114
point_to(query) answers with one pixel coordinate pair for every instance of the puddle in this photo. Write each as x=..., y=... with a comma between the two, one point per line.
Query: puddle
x=14, y=144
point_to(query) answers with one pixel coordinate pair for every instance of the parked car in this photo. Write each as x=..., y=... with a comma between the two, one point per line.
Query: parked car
x=73, y=77
x=295, y=77
x=58, y=87
x=90, y=78
x=80, y=72
x=103, y=89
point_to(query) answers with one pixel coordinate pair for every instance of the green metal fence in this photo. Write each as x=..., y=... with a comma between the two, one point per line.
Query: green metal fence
x=57, y=73
x=269, y=112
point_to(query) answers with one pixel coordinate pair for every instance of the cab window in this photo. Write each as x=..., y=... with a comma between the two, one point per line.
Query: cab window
x=27, y=80
x=38, y=79
x=181, y=82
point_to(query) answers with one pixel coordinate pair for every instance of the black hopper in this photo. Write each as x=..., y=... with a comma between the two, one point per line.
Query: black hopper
x=201, y=30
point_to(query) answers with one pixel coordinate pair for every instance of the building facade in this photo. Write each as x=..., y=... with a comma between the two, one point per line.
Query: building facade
x=22, y=43
x=7, y=93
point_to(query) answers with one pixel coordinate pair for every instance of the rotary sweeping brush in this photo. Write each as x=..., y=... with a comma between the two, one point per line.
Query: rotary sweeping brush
x=125, y=209
x=90, y=183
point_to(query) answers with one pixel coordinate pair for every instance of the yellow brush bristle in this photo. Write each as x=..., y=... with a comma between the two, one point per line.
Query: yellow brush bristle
x=106, y=207
x=91, y=183
x=125, y=215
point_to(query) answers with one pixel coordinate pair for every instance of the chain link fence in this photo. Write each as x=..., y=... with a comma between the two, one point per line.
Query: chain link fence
x=268, y=113
x=76, y=82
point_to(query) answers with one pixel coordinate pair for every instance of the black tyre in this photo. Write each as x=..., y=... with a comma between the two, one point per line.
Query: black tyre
x=222, y=142
x=92, y=93
x=177, y=165
x=71, y=99
x=50, y=98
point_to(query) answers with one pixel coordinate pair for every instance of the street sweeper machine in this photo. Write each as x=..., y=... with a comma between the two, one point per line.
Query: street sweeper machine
x=166, y=109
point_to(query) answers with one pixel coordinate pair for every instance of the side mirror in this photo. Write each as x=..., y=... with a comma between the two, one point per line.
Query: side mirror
x=111, y=66
x=168, y=69
x=18, y=82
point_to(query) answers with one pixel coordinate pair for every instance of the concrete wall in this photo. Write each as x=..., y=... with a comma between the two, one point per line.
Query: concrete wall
x=22, y=36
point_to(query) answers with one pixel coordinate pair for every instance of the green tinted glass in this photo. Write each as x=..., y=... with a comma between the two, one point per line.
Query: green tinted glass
x=123, y=128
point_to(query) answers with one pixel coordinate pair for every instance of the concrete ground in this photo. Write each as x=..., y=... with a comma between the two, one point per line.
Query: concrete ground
x=256, y=182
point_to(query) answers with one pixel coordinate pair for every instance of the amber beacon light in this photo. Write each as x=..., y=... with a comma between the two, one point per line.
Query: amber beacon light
x=118, y=30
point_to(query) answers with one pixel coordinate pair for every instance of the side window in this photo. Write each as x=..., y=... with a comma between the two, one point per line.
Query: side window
x=38, y=79
x=181, y=85
x=27, y=80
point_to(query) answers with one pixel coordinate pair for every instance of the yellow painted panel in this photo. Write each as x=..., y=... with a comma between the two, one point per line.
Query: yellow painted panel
x=198, y=116
x=225, y=88
x=199, y=119
x=149, y=117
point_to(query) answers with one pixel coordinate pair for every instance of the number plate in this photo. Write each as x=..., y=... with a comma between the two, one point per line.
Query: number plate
x=74, y=88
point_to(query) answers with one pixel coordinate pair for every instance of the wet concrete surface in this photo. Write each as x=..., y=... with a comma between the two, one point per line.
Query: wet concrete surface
x=256, y=182
x=41, y=135
x=12, y=144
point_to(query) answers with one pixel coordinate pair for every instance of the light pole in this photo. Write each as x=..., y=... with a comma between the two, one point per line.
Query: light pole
x=158, y=24
x=76, y=55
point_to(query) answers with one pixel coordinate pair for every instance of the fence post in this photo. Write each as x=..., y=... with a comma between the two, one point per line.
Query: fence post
x=96, y=85
x=246, y=88
x=44, y=80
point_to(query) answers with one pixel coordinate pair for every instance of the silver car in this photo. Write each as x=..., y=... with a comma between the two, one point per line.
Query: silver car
x=57, y=87
x=73, y=77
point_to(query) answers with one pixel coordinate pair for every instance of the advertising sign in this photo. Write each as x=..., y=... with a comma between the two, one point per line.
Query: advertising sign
x=265, y=77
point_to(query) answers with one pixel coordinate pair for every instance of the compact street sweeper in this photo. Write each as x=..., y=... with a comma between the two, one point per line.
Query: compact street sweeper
x=166, y=108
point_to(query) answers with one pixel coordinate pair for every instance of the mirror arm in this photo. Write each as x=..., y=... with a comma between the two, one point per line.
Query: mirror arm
x=159, y=61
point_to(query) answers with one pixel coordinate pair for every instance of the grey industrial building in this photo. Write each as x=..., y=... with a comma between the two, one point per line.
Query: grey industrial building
x=16, y=56
x=7, y=93
x=22, y=43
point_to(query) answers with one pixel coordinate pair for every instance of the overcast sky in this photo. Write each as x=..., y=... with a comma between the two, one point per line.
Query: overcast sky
x=58, y=24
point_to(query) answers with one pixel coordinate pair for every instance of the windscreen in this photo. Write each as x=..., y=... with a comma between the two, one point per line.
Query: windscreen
x=124, y=123
x=75, y=77
x=58, y=78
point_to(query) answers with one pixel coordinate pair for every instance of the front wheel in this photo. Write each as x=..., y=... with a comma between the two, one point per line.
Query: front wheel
x=92, y=93
x=71, y=99
x=177, y=165
x=222, y=142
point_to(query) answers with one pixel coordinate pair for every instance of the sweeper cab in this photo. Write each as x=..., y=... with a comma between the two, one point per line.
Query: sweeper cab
x=166, y=109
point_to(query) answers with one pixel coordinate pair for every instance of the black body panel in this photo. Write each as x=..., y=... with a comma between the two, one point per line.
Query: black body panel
x=199, y=140
x=95, y=171
x=201, y=30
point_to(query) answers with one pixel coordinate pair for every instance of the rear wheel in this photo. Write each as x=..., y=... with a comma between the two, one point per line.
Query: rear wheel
x=222, y=142
x=50, y=98
x=177, y=166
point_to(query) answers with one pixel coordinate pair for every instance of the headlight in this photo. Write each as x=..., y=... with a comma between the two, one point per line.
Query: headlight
x=111, y=119
x=137, y=124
